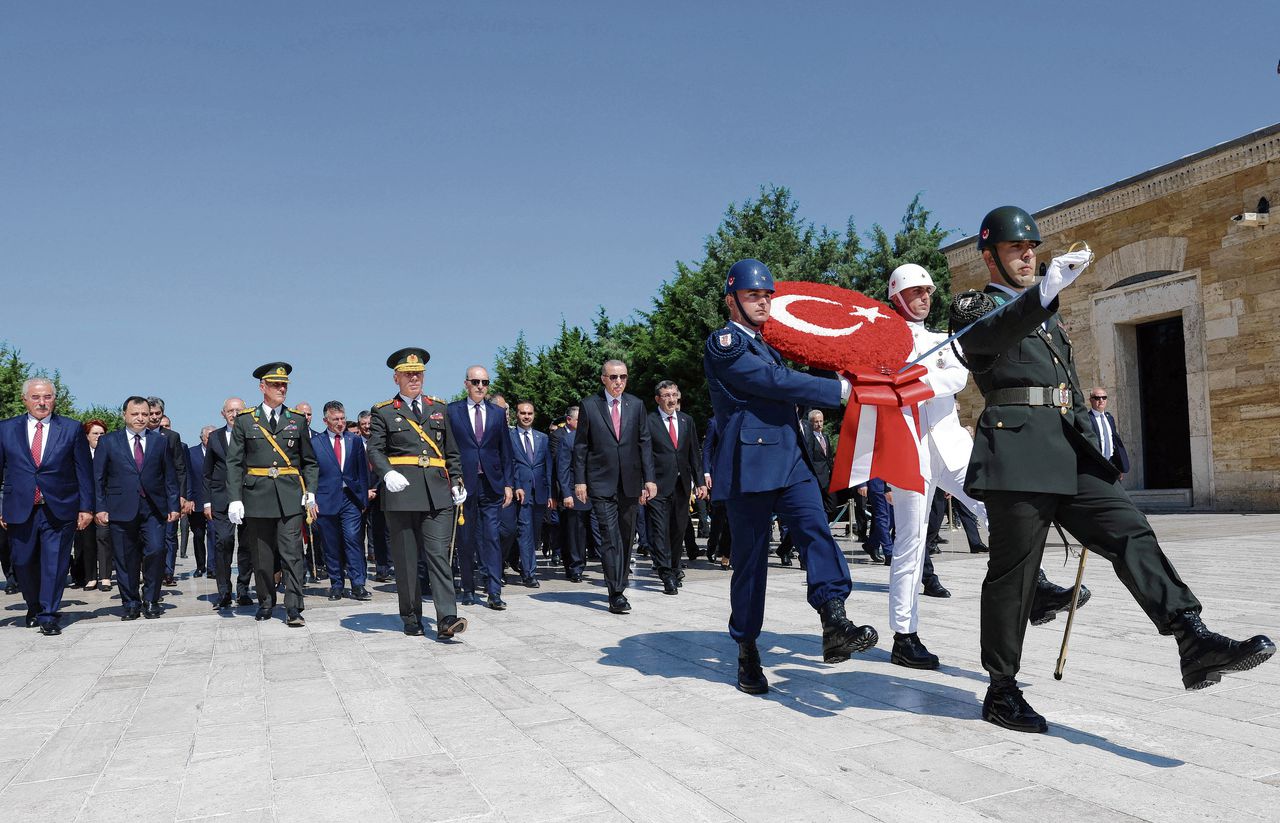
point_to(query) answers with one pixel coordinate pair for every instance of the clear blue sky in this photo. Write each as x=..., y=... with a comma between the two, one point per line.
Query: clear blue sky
x=189, y=190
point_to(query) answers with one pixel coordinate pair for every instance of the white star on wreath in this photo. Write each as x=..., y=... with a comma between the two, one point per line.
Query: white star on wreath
x=869, y=313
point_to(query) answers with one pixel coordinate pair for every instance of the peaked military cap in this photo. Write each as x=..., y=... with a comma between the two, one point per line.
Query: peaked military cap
x=273, y=372
x=410, y=359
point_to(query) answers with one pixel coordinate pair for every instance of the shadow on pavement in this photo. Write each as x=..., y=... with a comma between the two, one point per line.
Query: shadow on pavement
x=594, y=599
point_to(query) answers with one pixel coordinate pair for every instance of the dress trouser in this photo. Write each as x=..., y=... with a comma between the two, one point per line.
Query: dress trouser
x=199, y=541
x=667, y=517
x=1103, y=518
x=224, y=543
x=171, y=546
x=751, y=520
x=415, y=536
x=478, y=541
x=270, y=538
x=93, y=554
x=881, y=528
x=338, y=535
x=140, y=551
x=528, y=532
x=378, y=536
x=617, y=518
x=718, y=541
x=41, y=548
x=573, y=538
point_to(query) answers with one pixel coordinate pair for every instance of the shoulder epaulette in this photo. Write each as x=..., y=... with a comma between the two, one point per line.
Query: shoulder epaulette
x=431, y=398
x=295, y=411
x=247, y=411
x=725, y=344
x=384, y=403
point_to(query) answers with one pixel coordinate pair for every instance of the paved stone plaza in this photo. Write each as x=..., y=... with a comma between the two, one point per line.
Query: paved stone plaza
x=557, y=710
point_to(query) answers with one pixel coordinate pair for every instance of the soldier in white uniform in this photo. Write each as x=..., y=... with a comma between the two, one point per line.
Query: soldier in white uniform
x=944, y=458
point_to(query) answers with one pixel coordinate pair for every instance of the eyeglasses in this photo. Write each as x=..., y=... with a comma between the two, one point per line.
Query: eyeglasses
x=475, y=382
x=615, y=377
x=1098, y=397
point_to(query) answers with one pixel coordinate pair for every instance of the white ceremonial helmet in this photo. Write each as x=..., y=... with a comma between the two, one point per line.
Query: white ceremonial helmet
x=908, y=276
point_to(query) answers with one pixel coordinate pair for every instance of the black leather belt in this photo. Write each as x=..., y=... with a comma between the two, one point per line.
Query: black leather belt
x=1059, y=396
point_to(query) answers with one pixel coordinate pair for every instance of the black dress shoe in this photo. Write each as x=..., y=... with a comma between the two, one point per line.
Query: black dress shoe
x=105, y=587
x=244, y=600
x=380, y=578
x=262, y=614
x=293, y=619
x=979, y=549
x=618, y=604
x=360, y=593
x=888, y=560
x=449, y=626
x=467, y=599
x=170, y=580
x=30, y=621
x=335, y=593
x=910, y=652
x=1049, y=599
x=10, y=588
x=132, y=613
x=152, y=610
x=934, y=548
x=575, y=578
x=669, y=586
x=934, y=588
x=200, y=572
x=496, y=603
x=751, y=679
x=841, y=637
x=50, y=629
x=874, y=553
x=413, y=629
x=1005, y=706
x=1207, y=655
x=210, y=574
x=532, y=583
x=224, y=602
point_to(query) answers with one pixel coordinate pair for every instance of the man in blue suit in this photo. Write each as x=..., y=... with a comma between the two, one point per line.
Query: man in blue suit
x=761, y=467
x=46, y=495
x=575, y=515
x=342, y=497
x=201, y=532
x=484, y=444
x=136, y=489
x=155, y=421
x=532, y=460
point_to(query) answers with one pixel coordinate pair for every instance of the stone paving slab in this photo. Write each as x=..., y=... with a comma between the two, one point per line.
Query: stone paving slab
x=556, y=710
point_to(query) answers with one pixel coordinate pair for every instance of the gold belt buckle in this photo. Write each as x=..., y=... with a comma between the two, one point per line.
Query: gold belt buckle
x=273, y=472
x=424, y=461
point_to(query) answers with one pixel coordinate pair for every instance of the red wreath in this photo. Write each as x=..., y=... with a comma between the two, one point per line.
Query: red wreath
x=828, y=327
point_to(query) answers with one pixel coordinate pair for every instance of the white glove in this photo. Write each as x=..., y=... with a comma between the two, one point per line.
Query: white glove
x=395, y=481
x=308, y=500
x=846, y=388
x=235, y=512
x=1061, y=273
x=459, y=495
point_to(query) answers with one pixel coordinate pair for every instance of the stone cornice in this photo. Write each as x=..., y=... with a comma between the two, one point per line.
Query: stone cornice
x=1252, y=149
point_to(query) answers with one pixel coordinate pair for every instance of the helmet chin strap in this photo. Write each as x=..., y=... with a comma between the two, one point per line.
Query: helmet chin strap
x=1013, y=284
x=743, y=314
x=901, y=306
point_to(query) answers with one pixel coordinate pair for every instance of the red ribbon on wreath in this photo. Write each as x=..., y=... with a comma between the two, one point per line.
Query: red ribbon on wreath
x=842, y=330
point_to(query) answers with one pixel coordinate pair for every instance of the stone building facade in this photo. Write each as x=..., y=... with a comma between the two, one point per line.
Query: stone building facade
x=1179, y=318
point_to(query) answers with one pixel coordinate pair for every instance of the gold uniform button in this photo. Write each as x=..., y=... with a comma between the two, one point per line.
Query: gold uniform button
x=1063, y=409
x=1000, y=424
x=1061, y=386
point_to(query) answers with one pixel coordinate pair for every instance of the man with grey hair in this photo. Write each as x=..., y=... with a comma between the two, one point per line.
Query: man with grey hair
x=677, y=464
x=216, y=503
x=47, y=478
x=173, y=442
x=201, y=533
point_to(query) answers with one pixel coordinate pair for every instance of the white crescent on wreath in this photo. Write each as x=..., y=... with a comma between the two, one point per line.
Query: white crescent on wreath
x=781, y=312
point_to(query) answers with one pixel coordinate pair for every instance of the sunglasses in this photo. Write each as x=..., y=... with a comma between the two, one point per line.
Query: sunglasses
x=1098, y=397
x=615, y=377
x=477, y=382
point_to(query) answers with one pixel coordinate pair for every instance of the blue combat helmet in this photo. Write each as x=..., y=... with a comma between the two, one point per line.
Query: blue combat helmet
x=748, y=274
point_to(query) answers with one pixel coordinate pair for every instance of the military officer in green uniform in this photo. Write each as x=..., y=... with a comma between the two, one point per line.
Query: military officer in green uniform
x=1036, y=460
x=271, y=470
x=412, y=451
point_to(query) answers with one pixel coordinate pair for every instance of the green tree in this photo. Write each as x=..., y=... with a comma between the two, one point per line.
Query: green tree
x=14, y=371
x=915, y=242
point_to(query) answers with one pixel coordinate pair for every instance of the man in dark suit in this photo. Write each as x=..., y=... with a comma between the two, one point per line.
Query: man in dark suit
x=342, y=496
x=1104, y=426
x=46, y=482
x=531, y=457
x=271, y=471
x=179, y=451
x=613, y=468
x=1036, y=460
x=201, y=534
x=215, y=511
x=136, y=489
x=677, y=469
x=718, y=541
x=484, y=446
x=413, y=452
x=575, y=515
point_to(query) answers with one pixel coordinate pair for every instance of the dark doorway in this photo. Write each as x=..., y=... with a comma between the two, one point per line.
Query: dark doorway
x=1162, y=389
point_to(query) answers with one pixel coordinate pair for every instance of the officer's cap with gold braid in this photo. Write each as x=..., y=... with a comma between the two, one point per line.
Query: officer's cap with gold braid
x=273, y=372
x=410, y=359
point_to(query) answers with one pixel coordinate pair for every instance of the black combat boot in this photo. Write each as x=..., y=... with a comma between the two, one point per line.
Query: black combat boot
x=840, y=636
x=1004, y=706
x=1206, y=654
x=910, y=652
x=751, y=678
x=1049, y=599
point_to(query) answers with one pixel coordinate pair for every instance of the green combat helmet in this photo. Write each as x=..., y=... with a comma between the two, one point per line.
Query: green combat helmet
x=1006, y=224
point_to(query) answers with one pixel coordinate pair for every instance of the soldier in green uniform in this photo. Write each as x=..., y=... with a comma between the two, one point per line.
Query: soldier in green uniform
x=1036, y=460
x=412, y=451
x=271, y=470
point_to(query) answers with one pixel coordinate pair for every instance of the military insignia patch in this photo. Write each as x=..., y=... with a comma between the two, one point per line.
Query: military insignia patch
x=724, y=340
x=399, y=420
x=437, y=416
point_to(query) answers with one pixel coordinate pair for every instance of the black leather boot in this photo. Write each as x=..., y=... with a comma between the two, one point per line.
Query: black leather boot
x=840, y=636
x=1206, y=655
x=1049, y=599
x=751, y=678
x=910, y=652
x=1004, y=706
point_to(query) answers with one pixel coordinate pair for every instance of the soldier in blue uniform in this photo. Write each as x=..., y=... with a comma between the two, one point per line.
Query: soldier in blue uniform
x=761, y=467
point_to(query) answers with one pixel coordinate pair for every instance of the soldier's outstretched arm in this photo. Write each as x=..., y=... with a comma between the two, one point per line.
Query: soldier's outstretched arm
x=745, y=374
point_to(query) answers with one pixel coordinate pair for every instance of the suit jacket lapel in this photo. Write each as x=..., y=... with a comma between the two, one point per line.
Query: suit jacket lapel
x=52, y=439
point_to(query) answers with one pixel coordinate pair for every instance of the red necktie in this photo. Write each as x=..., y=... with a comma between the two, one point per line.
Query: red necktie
x=137, y=450
x=37, y=446
x=617, y=418
x=337, y=449
x=671, y=429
